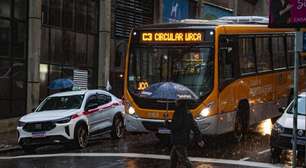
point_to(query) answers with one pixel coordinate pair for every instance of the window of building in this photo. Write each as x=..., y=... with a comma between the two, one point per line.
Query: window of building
x=13, y=72
x=263, y=54
x=55, y=8
x=279, y=54
x=290, y=49
x=20, y=11
x=246, y=55
x=68, y=9
x=4, y=38
x=81, y=15
x=69, y=36
x=5, y=8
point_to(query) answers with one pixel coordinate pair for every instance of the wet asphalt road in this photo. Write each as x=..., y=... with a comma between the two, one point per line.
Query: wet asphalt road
x=255, y=147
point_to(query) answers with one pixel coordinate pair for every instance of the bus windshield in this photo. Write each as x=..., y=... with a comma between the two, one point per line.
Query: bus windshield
x=187, y=65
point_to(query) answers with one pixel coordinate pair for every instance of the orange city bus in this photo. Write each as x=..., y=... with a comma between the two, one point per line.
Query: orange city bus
x=242, y=72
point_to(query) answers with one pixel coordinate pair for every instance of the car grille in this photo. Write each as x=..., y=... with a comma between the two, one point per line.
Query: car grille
x=39, y=126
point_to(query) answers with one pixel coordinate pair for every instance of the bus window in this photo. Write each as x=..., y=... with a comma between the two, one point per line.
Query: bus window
x=278, y=50
x=226, y=64
x=246, y=55
x=264, y=61
x=290, y=50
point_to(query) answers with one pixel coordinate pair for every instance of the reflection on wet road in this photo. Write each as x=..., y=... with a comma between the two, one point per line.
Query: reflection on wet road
x=254, y=147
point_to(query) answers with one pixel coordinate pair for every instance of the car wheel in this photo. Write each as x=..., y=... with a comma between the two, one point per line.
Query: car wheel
x=28, y=149
x=275, y=154
x=118, y=127
x=81, y=136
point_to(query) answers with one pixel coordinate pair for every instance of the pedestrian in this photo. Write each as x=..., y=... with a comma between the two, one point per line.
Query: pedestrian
x=181, y=125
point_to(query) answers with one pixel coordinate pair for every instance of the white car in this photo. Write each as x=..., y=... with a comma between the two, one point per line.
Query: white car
x=281, y=137
x=71, y=117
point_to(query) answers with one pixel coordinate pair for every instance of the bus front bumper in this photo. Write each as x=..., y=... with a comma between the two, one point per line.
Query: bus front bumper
x=135, y=124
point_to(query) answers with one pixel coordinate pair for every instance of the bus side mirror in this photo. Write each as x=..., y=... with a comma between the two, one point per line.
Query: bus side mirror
x=282, y=109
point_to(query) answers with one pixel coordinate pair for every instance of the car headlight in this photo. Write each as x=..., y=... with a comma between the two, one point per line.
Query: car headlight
x=63, y=120
x=21, y=124
x=278, y=128
x=131, y=110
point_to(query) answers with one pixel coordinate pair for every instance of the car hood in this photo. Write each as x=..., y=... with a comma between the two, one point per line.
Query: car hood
x=286, y=120
x=48, y=115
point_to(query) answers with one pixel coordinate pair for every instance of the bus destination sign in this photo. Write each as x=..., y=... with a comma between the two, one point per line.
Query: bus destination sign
x=171, y=37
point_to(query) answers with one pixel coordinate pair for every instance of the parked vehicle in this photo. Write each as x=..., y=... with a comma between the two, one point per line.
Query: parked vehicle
x=281, y=137
x=72, y=117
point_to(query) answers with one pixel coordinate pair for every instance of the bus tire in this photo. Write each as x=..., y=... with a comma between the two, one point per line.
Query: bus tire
x=242, y=120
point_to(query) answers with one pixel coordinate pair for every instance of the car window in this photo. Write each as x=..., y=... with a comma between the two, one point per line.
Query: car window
x=62, y=103
x=91, y=102
x=301, y=106
x=104, y=99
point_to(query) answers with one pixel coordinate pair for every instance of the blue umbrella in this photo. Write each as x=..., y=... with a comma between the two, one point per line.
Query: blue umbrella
x=168, y=91
x=61, y=84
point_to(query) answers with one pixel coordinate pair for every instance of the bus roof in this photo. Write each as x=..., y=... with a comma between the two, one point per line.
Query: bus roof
x=231, y=21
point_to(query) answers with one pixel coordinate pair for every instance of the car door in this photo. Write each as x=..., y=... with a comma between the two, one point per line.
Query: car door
x=104, y=120
x=91, y=110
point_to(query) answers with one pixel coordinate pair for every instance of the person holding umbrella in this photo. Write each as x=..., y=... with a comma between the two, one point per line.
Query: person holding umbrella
x=181, y=125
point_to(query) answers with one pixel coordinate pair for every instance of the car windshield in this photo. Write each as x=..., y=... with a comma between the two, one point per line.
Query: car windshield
x=189, y=66
x=62, y=103
x=301, y=106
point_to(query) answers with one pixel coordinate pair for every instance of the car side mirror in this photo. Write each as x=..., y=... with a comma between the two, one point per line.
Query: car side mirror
x=282, y=109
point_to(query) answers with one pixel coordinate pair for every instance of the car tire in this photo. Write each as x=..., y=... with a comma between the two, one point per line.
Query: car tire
x=28, y=149
x=117, y=127
x=275, y=154
x=81, y=136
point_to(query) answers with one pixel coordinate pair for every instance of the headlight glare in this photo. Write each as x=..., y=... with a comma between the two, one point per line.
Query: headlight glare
x=205, y=112
x=131, y=110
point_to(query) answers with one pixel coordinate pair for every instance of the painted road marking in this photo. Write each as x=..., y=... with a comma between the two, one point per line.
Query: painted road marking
x=146, y=156
x=264, y=151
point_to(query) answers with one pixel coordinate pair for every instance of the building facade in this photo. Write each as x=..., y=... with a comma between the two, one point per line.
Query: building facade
x=43, y=40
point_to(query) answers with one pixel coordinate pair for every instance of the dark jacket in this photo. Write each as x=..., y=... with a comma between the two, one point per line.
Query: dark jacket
x=181, y=125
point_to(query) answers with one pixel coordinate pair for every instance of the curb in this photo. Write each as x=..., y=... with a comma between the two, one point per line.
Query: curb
x=10, y=148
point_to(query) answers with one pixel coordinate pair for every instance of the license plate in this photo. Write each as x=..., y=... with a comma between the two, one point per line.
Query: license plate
x=38, y=134
x=164, y=131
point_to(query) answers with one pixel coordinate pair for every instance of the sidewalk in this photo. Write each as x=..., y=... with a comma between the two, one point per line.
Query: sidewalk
x=8, y=141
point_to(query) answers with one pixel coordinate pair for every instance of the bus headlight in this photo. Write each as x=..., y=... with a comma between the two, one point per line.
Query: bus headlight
x=205, y=112
x=131, y=110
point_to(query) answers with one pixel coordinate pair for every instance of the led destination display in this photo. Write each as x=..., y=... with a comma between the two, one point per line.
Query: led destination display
x=171, y=37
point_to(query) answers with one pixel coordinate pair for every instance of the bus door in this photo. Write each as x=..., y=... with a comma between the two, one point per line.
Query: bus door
x=227, y=73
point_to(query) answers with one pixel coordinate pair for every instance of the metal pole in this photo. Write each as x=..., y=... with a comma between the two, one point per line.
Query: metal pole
x=236, y=7
x=298, y=48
